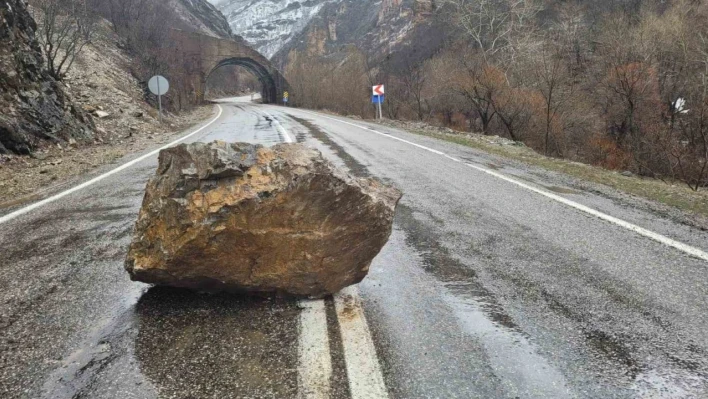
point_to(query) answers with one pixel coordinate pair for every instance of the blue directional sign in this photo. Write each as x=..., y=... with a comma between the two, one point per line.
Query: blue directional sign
x=378, y=99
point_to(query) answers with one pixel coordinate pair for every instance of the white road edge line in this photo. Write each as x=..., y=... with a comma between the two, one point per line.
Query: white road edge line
x=315, y=363
x=379, y=133
x=629, y=226
x=96, y=179
x=690, y=250
x=363, y=369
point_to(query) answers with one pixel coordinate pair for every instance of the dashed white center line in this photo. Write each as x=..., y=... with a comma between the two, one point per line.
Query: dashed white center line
x=363, y=369
x=315, y=362
x=281, y=130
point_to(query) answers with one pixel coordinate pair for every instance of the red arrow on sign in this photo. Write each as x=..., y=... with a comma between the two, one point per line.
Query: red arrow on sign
x=379, y=90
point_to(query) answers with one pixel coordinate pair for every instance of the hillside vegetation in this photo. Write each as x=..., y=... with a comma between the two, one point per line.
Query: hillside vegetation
x=98, y=87
x=42, y=79
x=619, y=84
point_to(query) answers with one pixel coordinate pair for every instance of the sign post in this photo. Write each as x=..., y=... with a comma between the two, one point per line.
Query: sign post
x=286, y=98
x=378, y=98
x=159, y=86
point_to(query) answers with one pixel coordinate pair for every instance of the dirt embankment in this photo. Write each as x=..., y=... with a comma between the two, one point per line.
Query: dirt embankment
x=101, y=84
x=34, y=107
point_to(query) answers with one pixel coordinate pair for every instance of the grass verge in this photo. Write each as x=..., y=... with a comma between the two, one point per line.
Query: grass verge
x=676, y=194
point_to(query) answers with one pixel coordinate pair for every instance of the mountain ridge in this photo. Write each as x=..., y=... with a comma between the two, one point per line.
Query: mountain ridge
x=203, y=17
x=402, y=31
x=278, y=28
x=268, y=25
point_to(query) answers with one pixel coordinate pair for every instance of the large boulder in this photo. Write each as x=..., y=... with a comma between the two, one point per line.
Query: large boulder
x=246, y=218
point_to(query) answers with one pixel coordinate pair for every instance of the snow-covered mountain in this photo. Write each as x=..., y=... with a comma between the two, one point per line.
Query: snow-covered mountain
x=268, y=25
x=281, y=29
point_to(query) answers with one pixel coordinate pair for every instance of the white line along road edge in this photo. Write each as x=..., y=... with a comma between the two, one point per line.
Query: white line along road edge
x=690, y=250
x=314, y=360
x=96, y=179
x=363, y=369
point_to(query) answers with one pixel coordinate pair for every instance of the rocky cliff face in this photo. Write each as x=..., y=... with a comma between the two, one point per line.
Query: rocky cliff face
x=268, y=25
x=34, y=107
x=408, y=29
x=323, y=27
x=203, y=17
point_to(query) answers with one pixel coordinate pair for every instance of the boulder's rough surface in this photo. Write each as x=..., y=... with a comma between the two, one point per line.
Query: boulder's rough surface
x=245, y=218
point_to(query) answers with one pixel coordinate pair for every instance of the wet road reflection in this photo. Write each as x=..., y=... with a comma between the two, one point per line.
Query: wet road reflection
x=483, y=291
x=198, y=345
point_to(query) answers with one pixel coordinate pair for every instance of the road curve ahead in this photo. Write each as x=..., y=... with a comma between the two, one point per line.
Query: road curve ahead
x=499, y=281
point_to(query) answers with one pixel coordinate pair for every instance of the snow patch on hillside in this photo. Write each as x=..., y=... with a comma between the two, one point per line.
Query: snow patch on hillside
x=268, y=25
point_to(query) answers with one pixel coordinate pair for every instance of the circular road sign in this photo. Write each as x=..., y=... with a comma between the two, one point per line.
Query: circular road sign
x=158, y=85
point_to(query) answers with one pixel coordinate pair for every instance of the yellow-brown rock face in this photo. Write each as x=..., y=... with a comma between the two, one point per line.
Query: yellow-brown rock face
x=245, y=218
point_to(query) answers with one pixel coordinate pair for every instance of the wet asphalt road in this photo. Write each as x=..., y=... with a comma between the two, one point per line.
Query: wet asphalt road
x=485, y=289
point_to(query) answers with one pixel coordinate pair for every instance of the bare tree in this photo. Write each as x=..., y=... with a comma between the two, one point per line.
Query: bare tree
x=65, y=27
x=414, y=83
x=124, y=13
x=494, y=24
x=691, y=152
x=551, y=75
x=573, y=37
x=478, y=83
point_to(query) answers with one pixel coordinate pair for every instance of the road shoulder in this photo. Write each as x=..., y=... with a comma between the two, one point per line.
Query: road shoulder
x=26, y=179
x=672, y=199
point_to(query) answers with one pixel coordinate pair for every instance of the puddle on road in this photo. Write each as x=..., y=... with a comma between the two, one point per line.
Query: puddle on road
x=613, y=349
x=616, y=356
x=601, y=344
x=455, y=275
x=512, y=356
x=78, y=371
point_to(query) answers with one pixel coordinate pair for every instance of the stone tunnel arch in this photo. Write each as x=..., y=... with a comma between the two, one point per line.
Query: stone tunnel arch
x=269, y=83
x=211, y=53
